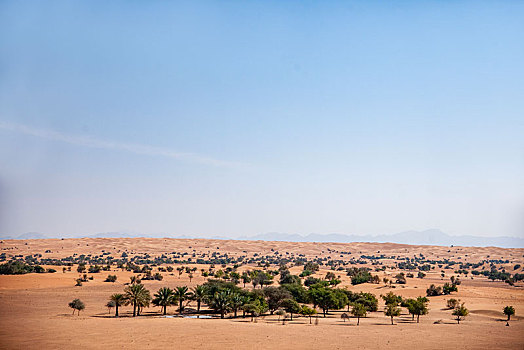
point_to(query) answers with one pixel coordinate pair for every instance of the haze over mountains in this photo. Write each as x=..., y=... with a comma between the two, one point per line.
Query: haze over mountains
x=427, y=237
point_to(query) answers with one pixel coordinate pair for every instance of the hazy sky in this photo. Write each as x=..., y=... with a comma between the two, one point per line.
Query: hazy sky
x=242, y=117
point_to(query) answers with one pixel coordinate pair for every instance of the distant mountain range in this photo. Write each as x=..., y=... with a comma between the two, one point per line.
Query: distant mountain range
x=427, y=237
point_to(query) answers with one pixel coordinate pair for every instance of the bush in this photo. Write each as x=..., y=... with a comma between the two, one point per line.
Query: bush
x=17, y=267
x=111, y=278
x=400, y=278
x=94, y=269
x=452, y=303
x=433, y=291
x=448, y=288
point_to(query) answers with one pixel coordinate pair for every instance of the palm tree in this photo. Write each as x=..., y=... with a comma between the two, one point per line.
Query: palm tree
x=236, y=301
x=163, y=298
x=135, y=279
x=137, y=295
x=199, y=293
x=182, y=294
x=119, y=300
x=359, y=310
x=221, y=302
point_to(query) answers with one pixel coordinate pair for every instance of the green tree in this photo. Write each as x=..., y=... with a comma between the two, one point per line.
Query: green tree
x=340, y=299
x=119, y=300
x=307, y=311
x=77, y=305
x=322, y=296
x=298, y=292
x=163, y=298
x=199, y=294
x=509, y=311
x=460, y=312
x=275, y=296
x=358, y=311
x=448, y=288
x=291, y=306
x=137, y=295
x=392, y=310
x=245, y=278
x=391, y=298
x=236, y=302
x=416, y=307
x=255, y=308
x=221, y=302
x=182, y=294
x=110, y=304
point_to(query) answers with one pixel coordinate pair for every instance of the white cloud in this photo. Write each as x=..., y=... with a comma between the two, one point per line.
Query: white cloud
x=92, y=142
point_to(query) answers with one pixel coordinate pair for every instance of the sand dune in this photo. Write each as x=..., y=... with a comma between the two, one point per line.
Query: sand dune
x=34, y=312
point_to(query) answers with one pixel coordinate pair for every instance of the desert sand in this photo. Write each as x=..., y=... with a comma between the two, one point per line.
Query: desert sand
x=34, y=312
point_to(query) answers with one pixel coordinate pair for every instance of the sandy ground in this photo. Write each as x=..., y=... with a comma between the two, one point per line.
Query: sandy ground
x=34, y=312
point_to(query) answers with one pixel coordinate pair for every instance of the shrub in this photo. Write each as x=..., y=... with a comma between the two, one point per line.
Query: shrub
x=111, y=278
x=452, y=303
x=433, y=291
x=448, y=288
x=17, y=267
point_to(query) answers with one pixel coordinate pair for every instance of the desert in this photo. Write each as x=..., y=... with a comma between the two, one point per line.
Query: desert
x=34, y=310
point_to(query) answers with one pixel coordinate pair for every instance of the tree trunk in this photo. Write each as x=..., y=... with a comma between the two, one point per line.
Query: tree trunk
x=358, y=321
x=309, y=319
x=235, y=313
x=165, y=309
x=180, y=306
x=391, y=319
x=116, y=312
x=291, y=316
x=134, y=309
x=418, y=316
x=221, y=314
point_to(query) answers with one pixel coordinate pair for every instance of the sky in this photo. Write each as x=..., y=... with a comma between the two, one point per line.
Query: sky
x=243, y=117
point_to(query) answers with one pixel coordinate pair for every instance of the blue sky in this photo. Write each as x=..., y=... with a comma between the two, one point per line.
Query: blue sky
x=236, y=118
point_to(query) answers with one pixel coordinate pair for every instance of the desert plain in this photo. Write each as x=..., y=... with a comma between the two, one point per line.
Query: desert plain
x=34, y=311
